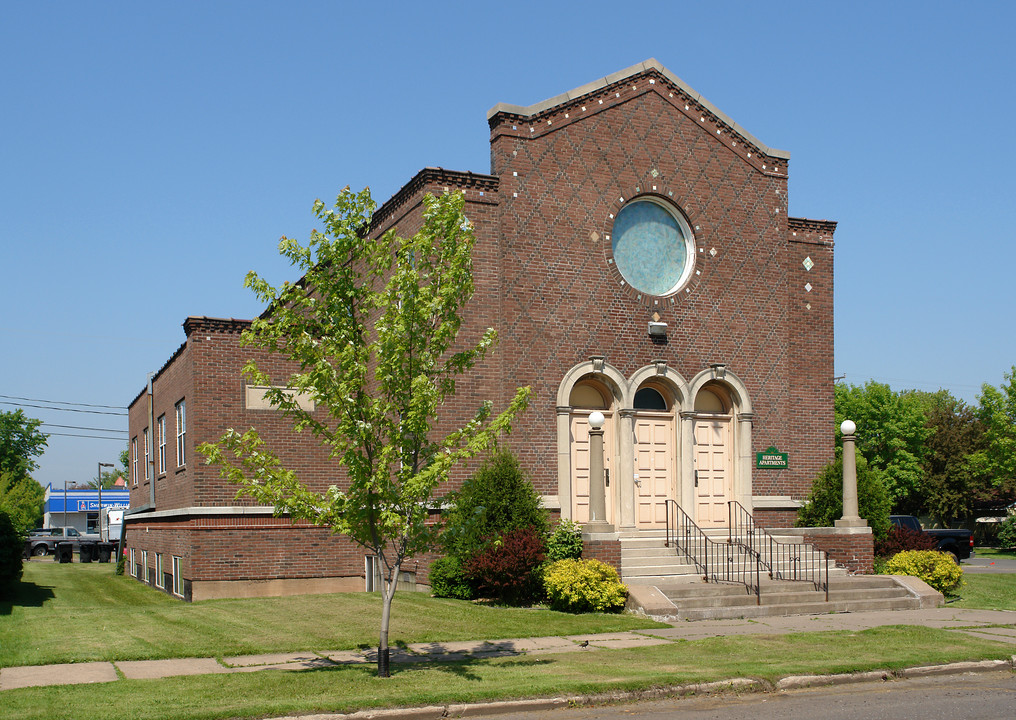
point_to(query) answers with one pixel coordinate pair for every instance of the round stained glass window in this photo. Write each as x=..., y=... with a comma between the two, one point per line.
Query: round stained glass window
x=652, y=247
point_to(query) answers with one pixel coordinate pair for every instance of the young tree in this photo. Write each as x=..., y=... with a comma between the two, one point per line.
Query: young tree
x=891, y=430
x=373, y=328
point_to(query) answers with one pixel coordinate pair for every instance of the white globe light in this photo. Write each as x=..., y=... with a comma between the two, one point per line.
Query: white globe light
x=596, y=420
x=847, y=427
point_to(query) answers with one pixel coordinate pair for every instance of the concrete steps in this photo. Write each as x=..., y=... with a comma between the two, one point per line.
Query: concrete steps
x=701, y=601
x=663, y=583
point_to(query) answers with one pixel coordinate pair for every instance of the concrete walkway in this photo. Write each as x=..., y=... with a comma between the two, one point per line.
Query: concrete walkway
x=997, y=625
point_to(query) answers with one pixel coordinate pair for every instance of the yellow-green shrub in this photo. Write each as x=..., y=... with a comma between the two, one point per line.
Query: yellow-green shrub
x=584, y=586
x=937, y=569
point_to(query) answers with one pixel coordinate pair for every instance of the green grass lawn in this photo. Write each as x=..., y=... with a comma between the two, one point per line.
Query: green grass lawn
x=995, y=552
x=986, y=592
x=347, y=688
x=81, y=612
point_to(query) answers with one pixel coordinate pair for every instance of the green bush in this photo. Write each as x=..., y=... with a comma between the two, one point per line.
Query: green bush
x=824, y=505
x=565, y=543
x=448, y=580
x=937, y=569
x=584, y=586
x=1007, y=533
x=497, y=499
x=12, y=543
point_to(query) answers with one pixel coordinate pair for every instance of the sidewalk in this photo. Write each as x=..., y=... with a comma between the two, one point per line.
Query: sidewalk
x=981, y=623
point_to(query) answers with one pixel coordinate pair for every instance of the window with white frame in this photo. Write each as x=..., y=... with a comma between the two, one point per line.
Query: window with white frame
x=144, y=434
x=144, y=565
x=161, y=429
x=159, y=581
x=181, y=433
x=134, y=462
x=177, y=577
x=133, y=567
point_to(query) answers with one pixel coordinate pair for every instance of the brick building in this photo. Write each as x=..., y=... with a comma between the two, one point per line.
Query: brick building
x=635, y=253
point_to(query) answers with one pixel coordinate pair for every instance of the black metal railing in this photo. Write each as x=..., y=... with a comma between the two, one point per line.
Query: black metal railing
x=717, y=561
x=796, y=562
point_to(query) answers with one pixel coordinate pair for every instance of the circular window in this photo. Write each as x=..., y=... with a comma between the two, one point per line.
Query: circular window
x=653, y=247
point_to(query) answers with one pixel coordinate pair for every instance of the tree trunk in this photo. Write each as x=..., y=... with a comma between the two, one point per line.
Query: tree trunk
x=388, y=593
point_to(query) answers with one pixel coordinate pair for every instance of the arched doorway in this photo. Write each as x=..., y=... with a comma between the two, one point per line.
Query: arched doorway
x=713, y=458
x=587, y=395
x=655, y=460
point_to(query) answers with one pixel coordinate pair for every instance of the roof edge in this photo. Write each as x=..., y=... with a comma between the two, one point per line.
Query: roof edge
x=650, y=64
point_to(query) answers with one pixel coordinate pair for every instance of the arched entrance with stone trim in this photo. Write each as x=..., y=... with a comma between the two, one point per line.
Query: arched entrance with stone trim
x=719, y=428
x=592, y=385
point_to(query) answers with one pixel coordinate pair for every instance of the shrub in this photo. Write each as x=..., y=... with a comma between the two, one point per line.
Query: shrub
x=825, y=503
x=584, y=586
x=565, y=543
x=448, y=579
x=12, y=543
x=509, y=569
x=901, y=538
x=498, y=498
x=1007, y=533
x=937, y=569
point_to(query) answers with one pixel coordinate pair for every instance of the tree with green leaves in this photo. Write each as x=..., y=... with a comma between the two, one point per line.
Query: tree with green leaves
x=891, y=431
x=950, y=487
x=21, y=499
x=21, y=442
x=373, y=329
x=997, y=459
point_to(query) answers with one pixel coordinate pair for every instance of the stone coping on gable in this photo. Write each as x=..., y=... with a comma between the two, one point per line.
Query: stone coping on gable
x=650, y=64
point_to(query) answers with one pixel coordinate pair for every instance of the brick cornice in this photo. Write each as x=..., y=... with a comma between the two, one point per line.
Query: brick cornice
x=432, y=176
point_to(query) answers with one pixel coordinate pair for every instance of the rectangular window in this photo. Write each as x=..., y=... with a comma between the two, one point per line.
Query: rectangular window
x=162, y=444
x=144, y=434
x=159, y=581
x=177, y=577
x=181, y=433
x=134, y=567
x=143, y=575
x=134, y=460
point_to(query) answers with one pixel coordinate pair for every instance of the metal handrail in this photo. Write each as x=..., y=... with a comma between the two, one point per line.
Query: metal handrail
x=796, y=562
x=717, y=561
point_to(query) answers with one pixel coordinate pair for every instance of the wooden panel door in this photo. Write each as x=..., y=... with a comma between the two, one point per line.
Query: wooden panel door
x=580, y=466
x=654, y=470
x=713, y=471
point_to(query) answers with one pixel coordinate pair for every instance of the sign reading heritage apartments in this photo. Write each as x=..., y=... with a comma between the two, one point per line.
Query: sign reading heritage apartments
x=771, y=459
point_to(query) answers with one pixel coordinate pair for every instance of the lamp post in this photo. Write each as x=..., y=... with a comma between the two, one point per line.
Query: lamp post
x=850, y=511
x=597, y=487
x=99, y=513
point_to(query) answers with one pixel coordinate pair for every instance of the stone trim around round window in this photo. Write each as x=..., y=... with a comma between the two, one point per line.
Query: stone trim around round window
x=651, y=246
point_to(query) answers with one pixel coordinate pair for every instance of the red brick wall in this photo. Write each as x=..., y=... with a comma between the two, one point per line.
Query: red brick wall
x=606, y=551
x=853, y=551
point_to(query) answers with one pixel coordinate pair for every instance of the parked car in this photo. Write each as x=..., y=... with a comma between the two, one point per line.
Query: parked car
x=44, y=540
x=959, y=542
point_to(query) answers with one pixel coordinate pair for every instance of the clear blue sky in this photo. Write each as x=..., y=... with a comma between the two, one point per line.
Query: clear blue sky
x=152, y=153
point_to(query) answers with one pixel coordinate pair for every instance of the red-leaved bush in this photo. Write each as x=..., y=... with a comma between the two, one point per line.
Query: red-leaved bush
x=902, y=538
x=508, y=569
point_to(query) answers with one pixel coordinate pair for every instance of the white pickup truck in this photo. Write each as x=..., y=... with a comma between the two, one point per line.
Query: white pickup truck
x=44, y=541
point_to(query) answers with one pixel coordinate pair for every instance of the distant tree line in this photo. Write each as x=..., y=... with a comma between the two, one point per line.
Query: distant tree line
x=934, y=454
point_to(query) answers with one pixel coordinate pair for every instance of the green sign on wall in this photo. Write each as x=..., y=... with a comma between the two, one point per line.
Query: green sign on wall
x=771, y=459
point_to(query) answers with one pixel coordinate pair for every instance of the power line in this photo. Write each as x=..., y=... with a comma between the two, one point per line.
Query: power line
x=78, y=427
x=94, y=437
x=63, y=402
x=46, y=407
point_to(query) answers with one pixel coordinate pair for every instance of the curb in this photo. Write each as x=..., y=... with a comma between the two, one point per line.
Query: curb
x=791, y=682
